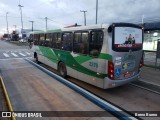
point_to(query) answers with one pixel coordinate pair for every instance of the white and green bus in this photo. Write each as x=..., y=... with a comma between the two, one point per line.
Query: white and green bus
x=104, y=55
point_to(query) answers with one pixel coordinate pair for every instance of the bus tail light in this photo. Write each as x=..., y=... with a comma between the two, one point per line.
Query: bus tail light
x=110, y=70
x=141, y=63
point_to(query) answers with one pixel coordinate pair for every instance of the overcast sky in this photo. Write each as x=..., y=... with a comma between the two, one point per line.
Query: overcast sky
x=61, y=13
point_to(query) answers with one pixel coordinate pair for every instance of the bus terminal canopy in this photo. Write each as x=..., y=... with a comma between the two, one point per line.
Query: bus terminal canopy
x=152, y=26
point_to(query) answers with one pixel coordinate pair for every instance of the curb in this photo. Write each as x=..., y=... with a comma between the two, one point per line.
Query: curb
x=98, y=101
x=7, y=98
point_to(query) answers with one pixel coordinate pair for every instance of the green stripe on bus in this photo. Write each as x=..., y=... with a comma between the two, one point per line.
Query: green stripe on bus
x=81, y=59
x=105, y=56
x=47, y=52
x=51, y=31
x=69, y=60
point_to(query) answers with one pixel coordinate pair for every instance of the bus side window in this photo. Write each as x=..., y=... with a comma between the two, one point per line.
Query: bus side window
x=54, y=39
x=80, y=44
x=48, y=41
x=67, y=41
x=42, y=39
x=30, y=39
x=95, y=43
x=76, y=42
x=58, y=42
x=84, y=44
x=36, y=39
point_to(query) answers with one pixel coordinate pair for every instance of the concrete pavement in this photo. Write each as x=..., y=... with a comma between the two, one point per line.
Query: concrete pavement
x=151, y=75
x=150, y=59
x=30, y=89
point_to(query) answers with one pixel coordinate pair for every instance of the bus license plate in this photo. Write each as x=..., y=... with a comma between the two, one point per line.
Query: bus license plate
x=127, y=74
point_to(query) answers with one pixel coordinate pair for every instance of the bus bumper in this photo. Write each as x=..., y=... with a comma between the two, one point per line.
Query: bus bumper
x=108, y=83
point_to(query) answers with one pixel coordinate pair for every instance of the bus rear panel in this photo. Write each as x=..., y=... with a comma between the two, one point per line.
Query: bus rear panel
x=126, y=50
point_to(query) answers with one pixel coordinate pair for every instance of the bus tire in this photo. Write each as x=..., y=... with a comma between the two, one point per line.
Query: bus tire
x=62, y=69
x=35, y=54
x=36, y=58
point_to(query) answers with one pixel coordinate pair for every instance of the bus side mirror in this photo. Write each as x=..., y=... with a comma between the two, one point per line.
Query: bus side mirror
x=110, y=29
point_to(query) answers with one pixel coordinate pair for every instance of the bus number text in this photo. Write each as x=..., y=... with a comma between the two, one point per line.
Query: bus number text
x=93, y=64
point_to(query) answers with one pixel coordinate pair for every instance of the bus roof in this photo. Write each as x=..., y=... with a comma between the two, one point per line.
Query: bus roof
x=37, y=32
x=77, y=28
x=55, y=30
x=99, y=26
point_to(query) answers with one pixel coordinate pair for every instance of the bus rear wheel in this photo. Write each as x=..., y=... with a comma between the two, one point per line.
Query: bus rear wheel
x=62, y=69
x=36, y=58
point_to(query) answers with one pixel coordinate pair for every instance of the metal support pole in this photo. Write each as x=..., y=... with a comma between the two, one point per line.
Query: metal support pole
x=96, y=10
x=46, y=22
x=84, y=16
x=7, y=24
x=20, y=8
x=32, y=24
x=142, y=19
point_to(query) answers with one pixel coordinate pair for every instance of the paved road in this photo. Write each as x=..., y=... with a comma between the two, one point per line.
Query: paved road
x=9, y=51
x=30, y=89
x=8, y=46
x=150, y=58
x=18, y=53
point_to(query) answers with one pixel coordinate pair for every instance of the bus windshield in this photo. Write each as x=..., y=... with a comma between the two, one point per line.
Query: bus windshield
x=126, y=38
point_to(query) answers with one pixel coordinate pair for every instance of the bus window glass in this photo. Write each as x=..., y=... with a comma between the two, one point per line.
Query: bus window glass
x=76, y=43
x=54, y=39
x=95, y=43
x=84, y=43
x=67, y=41
x=127, y=38
x=48, y=41
x=77, y=37
x=58, y=42
x=30, y=39
x=42, y=38
x=80, y=42
x=36, y=39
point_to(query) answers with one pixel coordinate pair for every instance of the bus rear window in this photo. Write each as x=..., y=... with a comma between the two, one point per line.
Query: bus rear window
x=126, y=38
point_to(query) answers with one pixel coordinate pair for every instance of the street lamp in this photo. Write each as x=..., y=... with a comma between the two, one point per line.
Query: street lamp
x=142, y=19
x=84, y=16
x=7, y=23
x=32, y=24
x=20, y=8
x=96, y=10
x=46, y=22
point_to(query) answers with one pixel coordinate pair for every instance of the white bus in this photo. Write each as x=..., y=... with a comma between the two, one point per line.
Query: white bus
x=104, y=55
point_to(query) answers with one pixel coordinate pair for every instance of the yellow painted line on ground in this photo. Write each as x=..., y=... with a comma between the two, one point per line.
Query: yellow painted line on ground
x=7, y=97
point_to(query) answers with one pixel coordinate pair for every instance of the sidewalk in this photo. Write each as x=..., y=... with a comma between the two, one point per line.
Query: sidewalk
x=151, y=75
x=150, y=59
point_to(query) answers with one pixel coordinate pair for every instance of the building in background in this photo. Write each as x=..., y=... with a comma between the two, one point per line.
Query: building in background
x=26, y=32
x=151, y=36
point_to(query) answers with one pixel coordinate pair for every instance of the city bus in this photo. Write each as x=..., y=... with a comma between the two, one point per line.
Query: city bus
x=106, y=55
